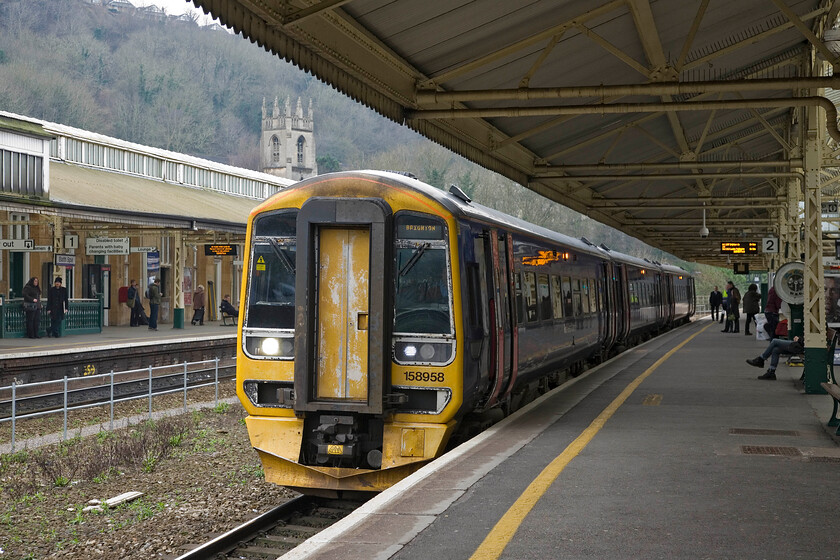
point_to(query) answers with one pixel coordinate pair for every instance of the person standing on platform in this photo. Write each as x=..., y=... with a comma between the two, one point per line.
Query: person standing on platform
x=752, y=305
x=715, y=299
x=133, y=300
x=57, y=306
x=32, y=307
x=724, y=306
x=771, y=311
x=199, y=301
x=733, y=316
x=154, y=304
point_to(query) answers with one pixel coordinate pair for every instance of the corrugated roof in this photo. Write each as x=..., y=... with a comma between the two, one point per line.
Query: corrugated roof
x=125, y=195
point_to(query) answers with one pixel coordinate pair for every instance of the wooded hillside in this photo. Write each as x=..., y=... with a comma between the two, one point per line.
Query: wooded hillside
x=170, y=83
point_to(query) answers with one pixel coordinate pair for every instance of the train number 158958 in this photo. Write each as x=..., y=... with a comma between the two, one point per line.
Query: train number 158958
x=433, y=376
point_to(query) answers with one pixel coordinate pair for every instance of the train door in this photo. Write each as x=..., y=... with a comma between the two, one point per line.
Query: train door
x=341, y=321
x=607, y=299
x=501, y=317
x=622, y=307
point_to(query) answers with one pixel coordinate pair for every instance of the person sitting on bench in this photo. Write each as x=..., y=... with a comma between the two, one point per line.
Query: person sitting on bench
x=226, y=307
x=777, y=346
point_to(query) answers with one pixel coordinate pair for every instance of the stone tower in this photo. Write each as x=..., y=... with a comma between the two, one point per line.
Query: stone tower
x=287, y=144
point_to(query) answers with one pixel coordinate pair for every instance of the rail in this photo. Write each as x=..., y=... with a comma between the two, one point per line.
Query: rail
x=84, y=316
x=9, y=394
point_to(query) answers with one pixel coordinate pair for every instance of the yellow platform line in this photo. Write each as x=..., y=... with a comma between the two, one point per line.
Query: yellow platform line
x=494, y=544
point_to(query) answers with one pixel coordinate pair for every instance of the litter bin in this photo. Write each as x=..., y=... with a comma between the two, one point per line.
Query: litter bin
x=178, y=318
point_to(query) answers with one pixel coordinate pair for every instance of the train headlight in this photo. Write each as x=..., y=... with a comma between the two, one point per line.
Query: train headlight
x=416, y=351
x=270, y=346
x=260, y=346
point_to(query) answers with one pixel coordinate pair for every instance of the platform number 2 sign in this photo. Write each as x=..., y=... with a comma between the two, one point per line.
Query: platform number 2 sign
x=770, y=245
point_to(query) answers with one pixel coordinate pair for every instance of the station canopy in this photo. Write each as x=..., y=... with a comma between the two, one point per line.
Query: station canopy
x=642, y=114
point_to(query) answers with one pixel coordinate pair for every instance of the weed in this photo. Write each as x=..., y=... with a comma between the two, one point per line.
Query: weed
x=104, y=436
x=176, y=440
x=61, y=481
x=222, y=408
x=78, y=519
x=149, y=464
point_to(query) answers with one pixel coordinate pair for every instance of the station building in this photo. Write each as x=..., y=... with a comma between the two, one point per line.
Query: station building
x=99, y=212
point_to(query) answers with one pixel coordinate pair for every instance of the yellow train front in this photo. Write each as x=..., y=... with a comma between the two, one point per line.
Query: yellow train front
x=347, y=345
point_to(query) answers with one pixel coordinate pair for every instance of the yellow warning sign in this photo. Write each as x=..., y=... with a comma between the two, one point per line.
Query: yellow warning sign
x=335, y=449
x=260, y=263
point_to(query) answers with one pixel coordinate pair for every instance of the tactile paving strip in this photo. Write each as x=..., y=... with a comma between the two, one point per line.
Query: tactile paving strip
x=770, y=450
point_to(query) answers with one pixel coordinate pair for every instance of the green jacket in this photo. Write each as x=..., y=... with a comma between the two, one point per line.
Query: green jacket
x=154, y=294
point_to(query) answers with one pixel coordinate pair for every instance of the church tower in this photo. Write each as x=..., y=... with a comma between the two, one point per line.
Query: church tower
x=287, y=144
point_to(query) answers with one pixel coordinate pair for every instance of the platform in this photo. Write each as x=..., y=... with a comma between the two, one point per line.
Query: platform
x=672, y=450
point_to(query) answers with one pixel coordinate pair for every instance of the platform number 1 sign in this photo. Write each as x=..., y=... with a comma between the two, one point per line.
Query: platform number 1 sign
x=770, y=245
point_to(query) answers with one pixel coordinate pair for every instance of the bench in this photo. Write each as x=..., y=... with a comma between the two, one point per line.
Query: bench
x=228, y=317
x=831, y=387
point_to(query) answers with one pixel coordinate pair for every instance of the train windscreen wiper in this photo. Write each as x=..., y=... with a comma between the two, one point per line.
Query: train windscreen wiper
x=278, y=250
x=415, y=256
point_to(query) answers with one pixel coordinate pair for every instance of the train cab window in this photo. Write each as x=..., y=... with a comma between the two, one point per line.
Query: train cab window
x=271, y=291
x=529, y=288
x=568, y=308
x=557, y=297
x=422, y=293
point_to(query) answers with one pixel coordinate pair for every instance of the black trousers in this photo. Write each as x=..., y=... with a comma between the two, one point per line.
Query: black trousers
x=33, y=322
x=715, y=309
x=198, y=316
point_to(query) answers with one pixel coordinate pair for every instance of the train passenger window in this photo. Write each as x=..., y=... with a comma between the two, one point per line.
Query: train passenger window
x=529, y=287
x=557, y=297
x=584, y=287
x=545, y=297
x=520, y=314
x=576, y=297
x=592, y=299
x=568, y=309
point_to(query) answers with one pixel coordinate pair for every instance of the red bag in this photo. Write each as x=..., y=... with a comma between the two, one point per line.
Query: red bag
x=782, y=328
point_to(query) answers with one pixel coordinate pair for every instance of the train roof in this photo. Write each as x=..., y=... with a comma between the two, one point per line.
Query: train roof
x=473, y=210
x=476, y=211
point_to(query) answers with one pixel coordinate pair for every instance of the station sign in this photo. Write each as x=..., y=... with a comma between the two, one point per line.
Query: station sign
x=769, y=244
x=829, y=207
x=17, y=244
x=65, y=260
x=741, y=268
x=143, y=249
x=43, y=248
x=739, y=247
x=106, y=245
x=219, y=250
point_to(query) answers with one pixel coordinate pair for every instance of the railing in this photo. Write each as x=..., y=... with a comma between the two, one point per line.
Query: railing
x=11, y=399
x=84, y=316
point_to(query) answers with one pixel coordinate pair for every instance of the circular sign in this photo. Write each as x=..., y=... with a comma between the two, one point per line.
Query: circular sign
x=790, y=283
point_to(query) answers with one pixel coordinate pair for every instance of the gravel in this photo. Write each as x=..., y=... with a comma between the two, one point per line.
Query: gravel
x=206, y=480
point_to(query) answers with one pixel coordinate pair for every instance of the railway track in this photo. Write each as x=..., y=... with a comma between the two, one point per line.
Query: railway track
x=275, y=532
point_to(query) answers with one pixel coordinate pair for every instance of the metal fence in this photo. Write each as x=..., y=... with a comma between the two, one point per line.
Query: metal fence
x=11, y=397
x=84, y=316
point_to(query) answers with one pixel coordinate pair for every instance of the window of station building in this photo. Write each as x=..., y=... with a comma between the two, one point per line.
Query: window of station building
x=529, y=289
x=21, y=173
x=165, y=250
x=544, y=293
x=568, y=308
x=557, y=297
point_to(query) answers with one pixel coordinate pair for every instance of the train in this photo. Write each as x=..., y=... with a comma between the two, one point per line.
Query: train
x=384, y=320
